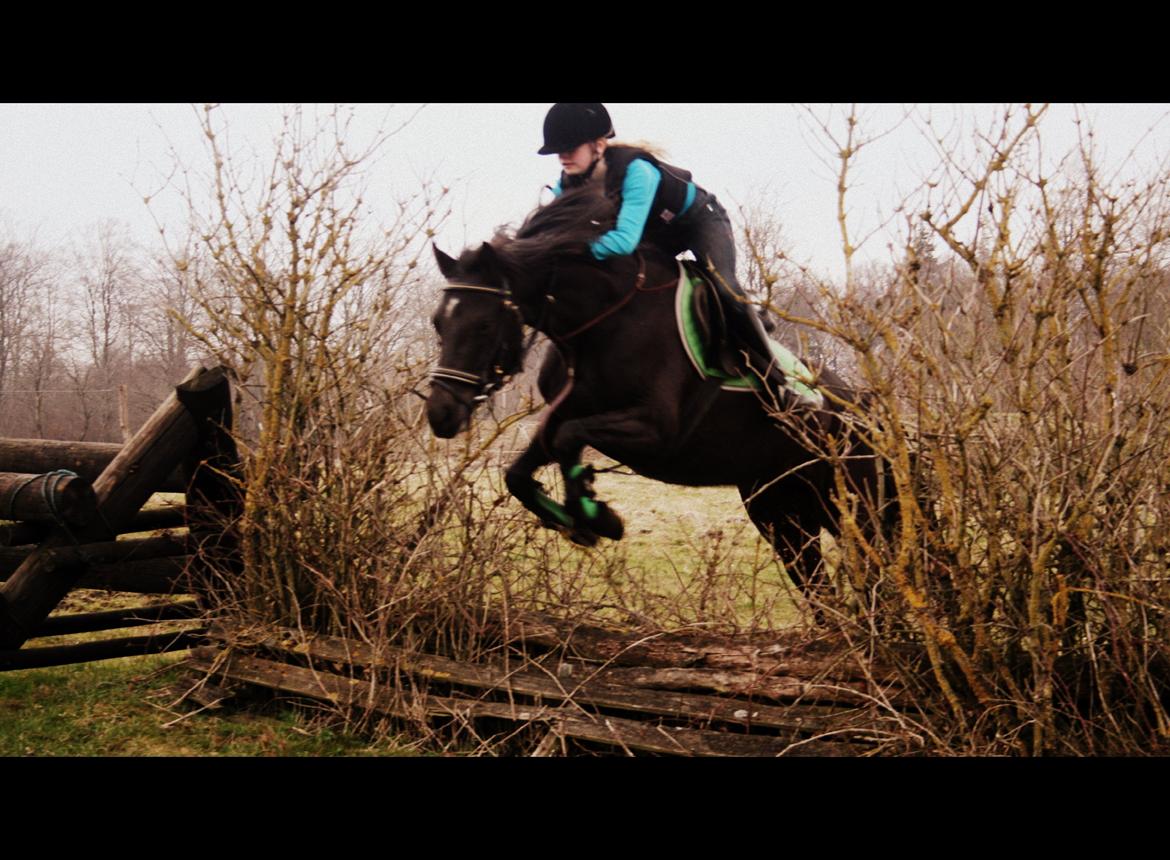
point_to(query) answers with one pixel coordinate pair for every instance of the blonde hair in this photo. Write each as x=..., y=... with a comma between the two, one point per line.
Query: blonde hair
x=652, y=148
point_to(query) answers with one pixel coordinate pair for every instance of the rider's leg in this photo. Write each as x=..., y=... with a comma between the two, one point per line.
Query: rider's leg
x=711, y=241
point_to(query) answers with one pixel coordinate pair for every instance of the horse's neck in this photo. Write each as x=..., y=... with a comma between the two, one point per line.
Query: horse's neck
x=586, y=298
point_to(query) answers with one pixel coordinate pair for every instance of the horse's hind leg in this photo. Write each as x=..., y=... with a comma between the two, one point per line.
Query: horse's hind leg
x=788, y=520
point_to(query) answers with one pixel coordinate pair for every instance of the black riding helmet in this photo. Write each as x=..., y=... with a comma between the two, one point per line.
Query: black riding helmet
x=570, y=124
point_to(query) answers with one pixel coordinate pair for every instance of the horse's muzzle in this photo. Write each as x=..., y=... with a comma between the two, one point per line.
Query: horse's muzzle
x=446, y=414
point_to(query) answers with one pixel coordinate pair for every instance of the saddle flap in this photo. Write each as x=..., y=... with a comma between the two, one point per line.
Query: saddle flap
x=709, y=318
x=703, y=330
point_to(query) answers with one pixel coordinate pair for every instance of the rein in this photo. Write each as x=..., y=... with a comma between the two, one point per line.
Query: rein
x=639, y=287
x=485, y=385
x=561, y=339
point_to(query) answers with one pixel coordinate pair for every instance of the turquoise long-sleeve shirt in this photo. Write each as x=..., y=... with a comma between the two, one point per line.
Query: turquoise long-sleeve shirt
x=638, y=188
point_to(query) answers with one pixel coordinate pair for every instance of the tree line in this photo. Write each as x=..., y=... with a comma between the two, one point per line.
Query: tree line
x=89, y=336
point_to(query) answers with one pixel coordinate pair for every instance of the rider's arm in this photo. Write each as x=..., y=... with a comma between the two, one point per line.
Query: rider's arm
x=638, y=188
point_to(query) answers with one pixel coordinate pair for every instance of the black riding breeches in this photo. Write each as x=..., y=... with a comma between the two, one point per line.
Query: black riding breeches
x=705, y=230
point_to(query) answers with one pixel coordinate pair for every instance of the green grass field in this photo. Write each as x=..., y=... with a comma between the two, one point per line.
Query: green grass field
x=129, y=707
x=692, y=550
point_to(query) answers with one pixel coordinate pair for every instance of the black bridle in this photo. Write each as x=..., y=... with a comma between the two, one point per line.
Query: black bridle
x=487, y=383
x=500, y=368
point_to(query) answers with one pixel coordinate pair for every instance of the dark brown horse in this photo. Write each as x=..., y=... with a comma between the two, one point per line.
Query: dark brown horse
x=620, y=381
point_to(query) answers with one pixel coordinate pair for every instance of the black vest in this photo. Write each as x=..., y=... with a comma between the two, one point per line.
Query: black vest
x=668, y=199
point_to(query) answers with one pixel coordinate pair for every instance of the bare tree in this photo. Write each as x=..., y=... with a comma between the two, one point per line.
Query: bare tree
x=110, y=280
x=23, y=270
x=44, y=363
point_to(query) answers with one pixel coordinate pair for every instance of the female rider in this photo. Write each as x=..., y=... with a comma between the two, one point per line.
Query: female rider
x=660, y=203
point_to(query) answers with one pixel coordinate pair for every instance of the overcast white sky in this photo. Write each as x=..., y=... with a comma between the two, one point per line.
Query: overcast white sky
x=64, y=167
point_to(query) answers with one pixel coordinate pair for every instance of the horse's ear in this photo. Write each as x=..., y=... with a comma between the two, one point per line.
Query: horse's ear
x=447, y=265
x=488, y=258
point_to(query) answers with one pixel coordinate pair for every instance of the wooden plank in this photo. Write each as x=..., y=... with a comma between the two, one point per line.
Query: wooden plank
x=589, y=689
x=623, y=733
x=106, y=552
x=88, y=652
x=87, y=459
x=146, y=520
x=116, y=619
x=38, y=585
x=47, y=498
x=776, y=687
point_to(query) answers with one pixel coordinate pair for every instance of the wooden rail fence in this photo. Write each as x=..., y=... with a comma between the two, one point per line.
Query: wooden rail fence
x=67, y=503
x=673, y=694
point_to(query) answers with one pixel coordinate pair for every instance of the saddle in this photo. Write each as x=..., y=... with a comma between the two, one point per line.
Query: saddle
x=702, y=326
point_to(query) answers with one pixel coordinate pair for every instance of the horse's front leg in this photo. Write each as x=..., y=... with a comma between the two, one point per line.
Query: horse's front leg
x=632, y=434
x=594, y=518
x=530, y=492
x=582, y=518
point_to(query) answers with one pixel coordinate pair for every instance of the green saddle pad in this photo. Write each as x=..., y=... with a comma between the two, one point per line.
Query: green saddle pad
x=799, y=377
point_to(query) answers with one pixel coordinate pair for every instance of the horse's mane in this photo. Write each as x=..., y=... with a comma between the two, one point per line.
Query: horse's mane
x=564, y=225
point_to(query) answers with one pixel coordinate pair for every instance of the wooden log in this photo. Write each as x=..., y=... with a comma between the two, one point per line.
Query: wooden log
x=215, y=498
x=783, y=653
x=584, y=687
x=146, y=520
x=88, y=652
x=50, y=498
x=116, y=619
x=623, y=733
x=87, y=459
x=22, y=534
x=151, y=576
x=164, y=575
x=108, y=552
x=38, y=585
x=212, y=466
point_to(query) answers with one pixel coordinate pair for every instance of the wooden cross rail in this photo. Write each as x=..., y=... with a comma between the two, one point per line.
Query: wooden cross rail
x=183, y=430
x=87, y=459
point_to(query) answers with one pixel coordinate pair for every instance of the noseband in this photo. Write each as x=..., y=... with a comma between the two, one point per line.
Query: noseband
x=484, y=383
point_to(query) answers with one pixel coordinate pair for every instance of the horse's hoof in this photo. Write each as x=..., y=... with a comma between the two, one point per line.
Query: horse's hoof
x=582, y=537
x=606, y=523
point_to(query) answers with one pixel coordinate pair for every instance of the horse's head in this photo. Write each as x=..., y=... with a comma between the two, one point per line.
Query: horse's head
x=494, y=288
x=480, y=332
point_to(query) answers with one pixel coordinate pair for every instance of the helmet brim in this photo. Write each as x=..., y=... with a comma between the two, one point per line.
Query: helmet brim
x=553, y=150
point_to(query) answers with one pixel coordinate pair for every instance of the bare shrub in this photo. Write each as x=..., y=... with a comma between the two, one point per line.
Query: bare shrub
x=1018, y=392
x=356, y=520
